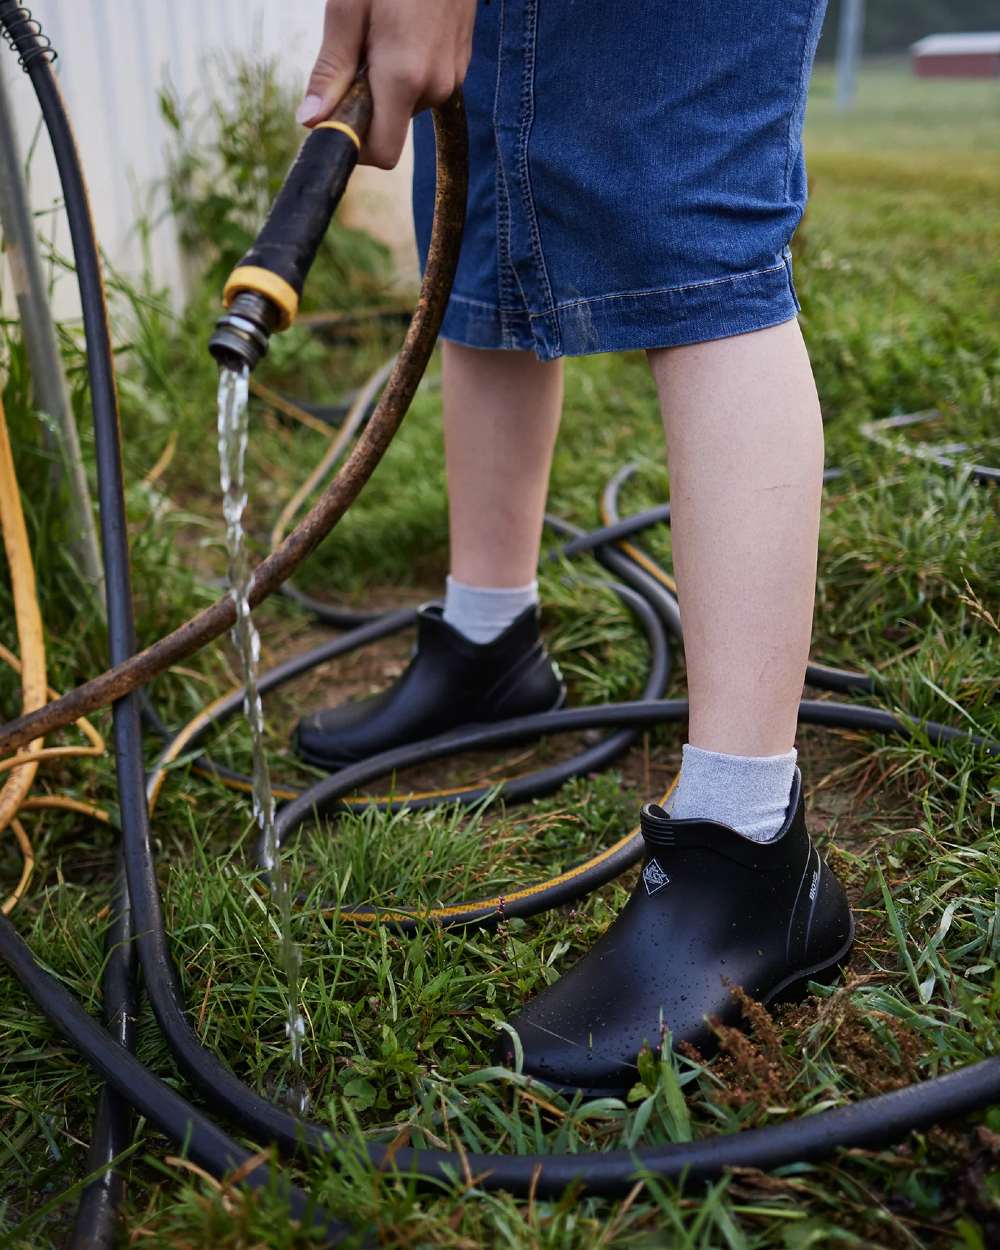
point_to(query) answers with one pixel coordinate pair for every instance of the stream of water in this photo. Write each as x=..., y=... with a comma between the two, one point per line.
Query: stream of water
x=233, y=428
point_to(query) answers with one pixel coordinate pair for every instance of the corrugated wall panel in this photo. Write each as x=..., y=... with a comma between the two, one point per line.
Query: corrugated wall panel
x=115, y=56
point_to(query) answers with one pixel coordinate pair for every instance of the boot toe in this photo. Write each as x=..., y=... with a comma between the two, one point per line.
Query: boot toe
x=328, y=738
x=578, y=1037
x=570, y=1064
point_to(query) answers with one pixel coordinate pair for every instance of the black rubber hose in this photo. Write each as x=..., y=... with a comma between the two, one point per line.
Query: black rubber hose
x=641, y=714
x=329, y=614
x=113, y=1129
x=127, y=731
x=97, y=1212
x=819, y=676
x=870, y=1122
x=204, y=1143
x=587, y=540
x=630, y=573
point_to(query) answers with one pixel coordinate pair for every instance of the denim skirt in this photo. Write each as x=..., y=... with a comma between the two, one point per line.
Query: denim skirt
x=636, y=172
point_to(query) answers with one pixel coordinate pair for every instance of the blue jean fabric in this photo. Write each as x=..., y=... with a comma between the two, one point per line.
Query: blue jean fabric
x=636, y=172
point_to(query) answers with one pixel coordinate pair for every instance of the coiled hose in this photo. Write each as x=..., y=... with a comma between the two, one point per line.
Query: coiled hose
x=138, y=920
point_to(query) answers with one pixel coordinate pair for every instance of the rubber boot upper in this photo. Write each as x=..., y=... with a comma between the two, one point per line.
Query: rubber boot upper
x=450, y=681
x=711, y=909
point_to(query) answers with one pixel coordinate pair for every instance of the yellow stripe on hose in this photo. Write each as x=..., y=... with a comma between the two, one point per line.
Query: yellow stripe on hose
x=483, y=904
x=493, y=904
x=255, y=278
x=499, y=901
x=638, y=556
x=343, y=128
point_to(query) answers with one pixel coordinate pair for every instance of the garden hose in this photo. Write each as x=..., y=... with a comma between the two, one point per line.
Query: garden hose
x=137, y=669
x=882, y=430
x=868, y=1123
x=262, y=293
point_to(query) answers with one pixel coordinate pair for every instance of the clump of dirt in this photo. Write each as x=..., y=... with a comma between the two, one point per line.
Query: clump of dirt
x=876, y=1066
x=757, y=1062
x=752, y=1066
x=875, y=1051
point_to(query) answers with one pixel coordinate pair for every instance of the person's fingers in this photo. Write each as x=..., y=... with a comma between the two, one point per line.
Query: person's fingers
x=397, y=85
x=339, y=56
x=404, y=84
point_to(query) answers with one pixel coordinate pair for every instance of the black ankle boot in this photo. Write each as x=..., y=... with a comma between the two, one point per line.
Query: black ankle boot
x=450, y=681
x=711, y=909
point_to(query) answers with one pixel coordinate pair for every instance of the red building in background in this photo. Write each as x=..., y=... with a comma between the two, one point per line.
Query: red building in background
x=957, y=56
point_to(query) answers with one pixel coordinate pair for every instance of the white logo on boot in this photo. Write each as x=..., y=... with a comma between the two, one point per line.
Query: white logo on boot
x=654, y=877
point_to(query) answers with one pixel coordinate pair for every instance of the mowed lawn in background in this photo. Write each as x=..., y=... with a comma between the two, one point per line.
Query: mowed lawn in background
x=898, y=268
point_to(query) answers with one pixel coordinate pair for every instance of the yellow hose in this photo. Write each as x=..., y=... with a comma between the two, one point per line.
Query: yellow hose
x=638, y=556
x=93, y=735
x=23, y=767
x=31, y=641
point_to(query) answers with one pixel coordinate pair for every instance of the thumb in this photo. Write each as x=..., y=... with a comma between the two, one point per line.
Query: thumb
x=337, y=63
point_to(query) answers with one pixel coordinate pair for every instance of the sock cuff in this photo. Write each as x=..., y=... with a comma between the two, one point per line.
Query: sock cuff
x=528, y=592
x=698, y=756
x=747, y=792
x=482, y=613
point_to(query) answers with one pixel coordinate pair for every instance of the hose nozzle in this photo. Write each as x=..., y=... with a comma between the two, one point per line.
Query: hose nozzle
x=243, y=331
x=262, y=293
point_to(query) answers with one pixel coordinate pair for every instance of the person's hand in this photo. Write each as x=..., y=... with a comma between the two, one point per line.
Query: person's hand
x=417, y=52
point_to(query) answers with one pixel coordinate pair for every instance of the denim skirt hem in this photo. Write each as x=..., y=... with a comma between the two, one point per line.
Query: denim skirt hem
x=630, y=320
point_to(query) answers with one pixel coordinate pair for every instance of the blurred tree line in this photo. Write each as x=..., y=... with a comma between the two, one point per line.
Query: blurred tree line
x=892, y=25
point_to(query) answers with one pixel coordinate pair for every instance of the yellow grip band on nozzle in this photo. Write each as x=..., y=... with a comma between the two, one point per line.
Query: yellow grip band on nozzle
x=253, y=278
x=343, y=127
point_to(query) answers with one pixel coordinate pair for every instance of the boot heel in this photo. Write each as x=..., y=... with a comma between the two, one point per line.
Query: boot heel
x=794, y=990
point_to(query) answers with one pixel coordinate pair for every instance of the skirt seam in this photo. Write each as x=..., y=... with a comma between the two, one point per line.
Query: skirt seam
x=527, y=120
x=662, y=290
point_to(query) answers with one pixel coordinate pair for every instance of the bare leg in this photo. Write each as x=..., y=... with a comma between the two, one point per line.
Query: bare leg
x=745, y=447
x=501, y=417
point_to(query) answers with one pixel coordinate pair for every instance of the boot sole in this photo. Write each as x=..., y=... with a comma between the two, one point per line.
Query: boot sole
x=789, y=990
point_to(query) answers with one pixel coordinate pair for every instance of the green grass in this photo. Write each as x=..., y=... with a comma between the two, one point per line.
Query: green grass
x=897, y=269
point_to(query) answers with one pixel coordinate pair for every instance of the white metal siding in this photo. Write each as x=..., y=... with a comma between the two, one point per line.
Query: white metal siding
x=114, y=57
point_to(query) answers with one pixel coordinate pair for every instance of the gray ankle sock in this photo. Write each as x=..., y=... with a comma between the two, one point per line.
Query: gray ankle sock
x=747, y=792
x=482, y=613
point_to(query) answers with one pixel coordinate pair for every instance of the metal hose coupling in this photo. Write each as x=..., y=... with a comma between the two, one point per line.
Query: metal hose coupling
x=262, y=293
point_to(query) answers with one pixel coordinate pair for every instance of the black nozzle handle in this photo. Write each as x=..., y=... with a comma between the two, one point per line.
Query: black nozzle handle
x=277, y=264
